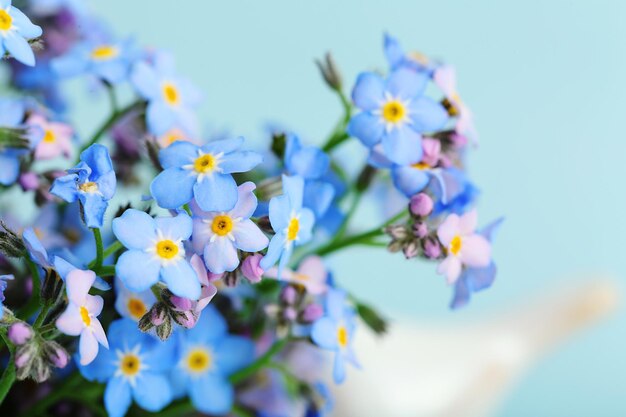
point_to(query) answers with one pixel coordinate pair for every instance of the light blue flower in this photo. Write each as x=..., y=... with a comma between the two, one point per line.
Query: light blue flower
x=476, y=279
x=455, y=193
x=110, y=61
x=395, y=112
x=171, y=99
x=15, y=30
x=219, y=236
x=3, y=287
x=398, y=58
x=130, y=304
x=292, y=223
x=155, y=251
x=202, y=173
x=134, y=367
x=208, y=356
x=92, y=182
x=335, y=332
x=11, y=115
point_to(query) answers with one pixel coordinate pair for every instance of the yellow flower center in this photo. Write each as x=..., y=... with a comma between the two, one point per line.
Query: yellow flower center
x=136, y=308
x=104, y=52
x=6, y=21
x=170, y=92
x=199, y=360
x=293, y=229
x=205, y=163
x=456, y=244
x=222, y=225
x=88, y=187
x=130, y=364
x=421, y=166
x=342, y=336
x=49, y=137
x=301, y=277
x=167, y=249
x=393, y=111
x=84, y=314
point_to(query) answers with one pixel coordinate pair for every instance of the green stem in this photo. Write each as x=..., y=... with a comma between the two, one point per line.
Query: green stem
x=108, y=251
x=260, y=363
x=35, y=300
x=99, y=248
x=8, y=376
x=105, y=271
x=42, y=315
x=240, y=411
x=340, y=135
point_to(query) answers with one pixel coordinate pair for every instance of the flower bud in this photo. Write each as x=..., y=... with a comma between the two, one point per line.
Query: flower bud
x=164, y=331
x=22, y=357
x=289, y=295
x=312, y=312
x=187, y=319
x=411, y=250
x=181, y=303
x=29, y=181
x=397, y=232
x=420, y=230
x=421, y=205
x=290, y=314
x=158, y=315
x=432, y=248
x=19, y=333
x=250, y=268
x=56, y=355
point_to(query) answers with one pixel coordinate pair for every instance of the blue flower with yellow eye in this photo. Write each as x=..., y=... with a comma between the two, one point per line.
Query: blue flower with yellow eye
x=171, y=99
x=15, y=30
x=155, y=251
x=335, y=332
x=110, y=61
x=202, y=173
x=92, y=182
x=208, y=356
x=292, y=223
x=135, y=366
x=394, y=112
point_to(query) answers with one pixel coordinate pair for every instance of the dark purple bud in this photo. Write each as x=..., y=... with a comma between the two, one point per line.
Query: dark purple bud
x=19, y=333
x=421, y=205
x=312, y=312
x=250, y=268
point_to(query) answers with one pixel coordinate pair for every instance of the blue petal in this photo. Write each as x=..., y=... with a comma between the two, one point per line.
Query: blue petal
x=135, y=229
x=293, y=187
x=367, y=128
x=173, y=187
x=65, y=188
x=124, y=334
x=221, y=255
x=178, y=154
x=233, y=353
x=181, y=279
x=403, y=146
x=309, y=162
x=102, y=368
x=107, y=184
x=318, y=196
x=336, y=304
x=69, y=65
x=117, y=397
x=10, y=170
x=393, y=51
x=11, y=112
x=216, y=192
x=152, y=392
x=479, y=279
x=177, y=227
x=406, y=84
x=138, y=270
x=324, y=333
x=461, y=294
x=19, y=48
x=410, y=180
x=210, y=328
x=248, y=236
x=160, y=117
x=427, y=115
x=369, y=91
x=26, y=28
x=98, y=159
x=212, y=394
x=307, y=219
x=36, y=250
x=240, y=161
x=274, y=250
x=339, y=369
x=93, y=207
x=145, y=80
x=224, y=146
x=280, y=212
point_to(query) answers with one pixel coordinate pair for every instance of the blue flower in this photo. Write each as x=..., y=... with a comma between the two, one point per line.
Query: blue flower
x=11, y=115
x=476, y=279
x=398, y=58
x=171, y=99
x=221, y=235
x=208, y=356
x=3, y=287
x=335, y=332
x=15, y=29
x=108, y=61
x=134, y=367
x=203, y=173
x=394, y=113
x=455, y=193
x=92, y=182
x=132, y=305
x=292, y=223
x=155, y=250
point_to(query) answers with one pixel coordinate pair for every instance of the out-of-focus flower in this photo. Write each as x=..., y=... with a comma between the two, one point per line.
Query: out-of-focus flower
x=202, y=173
x=3, y=287
x=464, y=247
x=81, y=315
x=311, y=274
x=132, y=305
x=11, y=116
x=292, y=223
x=208, y=356
x=221, y=235
x=251, y=269
x=335, y=332
x=173, y=135
x=398, y=58
x=445, y=78
x=394, y=113
x=171, y=99
x=155, y=251
x=55, y=137
x=92, y=182
x=135, y=367
x=421, y=205
x=15, y=30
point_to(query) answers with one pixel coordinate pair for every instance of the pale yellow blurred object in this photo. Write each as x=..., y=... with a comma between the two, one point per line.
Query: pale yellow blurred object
x=438, y=370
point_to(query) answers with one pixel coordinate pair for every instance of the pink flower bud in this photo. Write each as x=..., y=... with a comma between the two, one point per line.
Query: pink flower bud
x=181, y=303
x=289, y=295
x=22, y=358
x=432, y=248
x=420, y=230
x=421, y=205
x=215, y=277
x=290, y=313
x=157, y=316
x=188, y=320
x=29, y=181
x=59, y=357
x=312, y=312
x=19, y=333
x=250, y=268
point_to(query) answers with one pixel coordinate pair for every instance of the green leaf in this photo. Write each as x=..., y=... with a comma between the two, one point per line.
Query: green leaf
x=372, y=318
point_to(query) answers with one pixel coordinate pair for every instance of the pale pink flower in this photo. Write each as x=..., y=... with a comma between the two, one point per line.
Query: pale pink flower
x=445, y=78
x=311, y=274
x=207, y=279
x=464, y=247
x=56, y=138
x=80, y=316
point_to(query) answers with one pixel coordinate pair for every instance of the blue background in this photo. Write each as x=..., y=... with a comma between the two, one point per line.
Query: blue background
x=545, y=80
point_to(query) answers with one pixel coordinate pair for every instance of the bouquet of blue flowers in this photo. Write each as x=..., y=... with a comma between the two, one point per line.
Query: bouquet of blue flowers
x=144, y=269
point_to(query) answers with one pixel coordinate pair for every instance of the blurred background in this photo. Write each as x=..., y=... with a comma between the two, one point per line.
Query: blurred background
x=546, y=82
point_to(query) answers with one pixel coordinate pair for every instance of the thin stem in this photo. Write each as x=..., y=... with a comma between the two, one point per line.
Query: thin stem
x=8, y=376
x=42, y=315
x=339, y=135
x=35, y=300
x=108, y=251
x=105, y=271
x=99, y=248
x=260, y=363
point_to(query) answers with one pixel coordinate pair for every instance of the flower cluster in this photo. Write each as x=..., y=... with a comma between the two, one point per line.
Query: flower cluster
x=184, y=273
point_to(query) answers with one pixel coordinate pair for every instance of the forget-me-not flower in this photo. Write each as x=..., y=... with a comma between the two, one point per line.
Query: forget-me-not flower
x=155, y=251
x=397, y=57
x=202, y=173
x=132, y=304
x=3, y=287
x=15, y=30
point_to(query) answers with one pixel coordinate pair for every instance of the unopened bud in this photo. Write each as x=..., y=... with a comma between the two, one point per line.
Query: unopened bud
x=312, y=312
x=250, y=268
x=398, y=232
x=181, y=303
x=289, y=295
x=19, y=333
x=29, y=181
x=411, y=250
x=290, y=314
x=56, y=355
x=432, y=248
x=330, y=72
x=158, y=315
x=164, y=331
x=420, y=230
x=421, y=205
